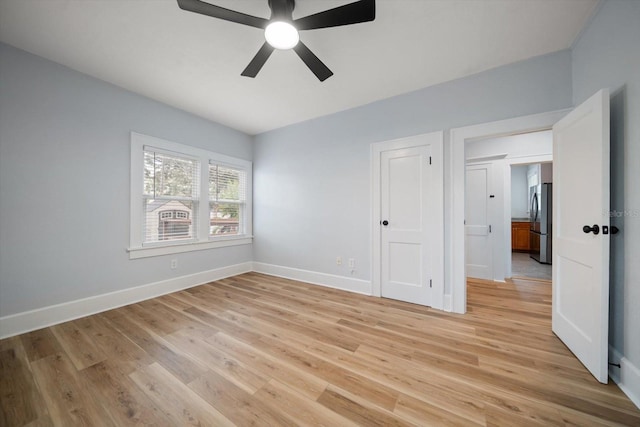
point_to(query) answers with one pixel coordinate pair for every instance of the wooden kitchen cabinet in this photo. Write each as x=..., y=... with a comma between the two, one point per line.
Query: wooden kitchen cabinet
x=520, y=236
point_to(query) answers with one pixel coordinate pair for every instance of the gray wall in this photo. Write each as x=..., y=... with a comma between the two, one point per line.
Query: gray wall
x=312, y=180
x=608, y=56
x=519, y=192
x=64, y=184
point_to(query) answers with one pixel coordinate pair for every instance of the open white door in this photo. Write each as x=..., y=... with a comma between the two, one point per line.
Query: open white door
x=478, y=244
x=581, y=232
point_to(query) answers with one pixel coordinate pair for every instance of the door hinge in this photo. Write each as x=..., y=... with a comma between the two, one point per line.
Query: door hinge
x=431, y=283
x=429, y=159
x=489, y=228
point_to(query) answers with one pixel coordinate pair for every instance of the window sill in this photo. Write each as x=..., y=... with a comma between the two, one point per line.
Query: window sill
x=151, y=251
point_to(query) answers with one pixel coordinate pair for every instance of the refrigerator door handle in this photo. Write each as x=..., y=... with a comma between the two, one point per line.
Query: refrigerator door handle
x=531, y=213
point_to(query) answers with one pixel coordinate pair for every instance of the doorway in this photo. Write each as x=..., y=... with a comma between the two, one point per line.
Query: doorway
x=456, y=298
x=500, y=171
x=581, y=260
x=527, y=181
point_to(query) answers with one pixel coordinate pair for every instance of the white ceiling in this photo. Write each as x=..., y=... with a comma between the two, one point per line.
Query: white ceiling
x=193, y=62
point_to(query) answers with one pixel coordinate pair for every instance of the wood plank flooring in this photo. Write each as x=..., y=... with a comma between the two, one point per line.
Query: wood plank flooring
x=264, y=351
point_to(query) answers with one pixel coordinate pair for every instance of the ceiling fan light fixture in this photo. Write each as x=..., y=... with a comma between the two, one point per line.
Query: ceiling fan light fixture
x=281, y=30
x=281, y=35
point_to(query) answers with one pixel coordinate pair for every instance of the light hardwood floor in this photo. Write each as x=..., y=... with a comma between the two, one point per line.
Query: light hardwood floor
x=259, y=350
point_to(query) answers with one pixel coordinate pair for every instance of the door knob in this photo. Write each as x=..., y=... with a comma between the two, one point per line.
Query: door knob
x=595, y=229
x=385, y=222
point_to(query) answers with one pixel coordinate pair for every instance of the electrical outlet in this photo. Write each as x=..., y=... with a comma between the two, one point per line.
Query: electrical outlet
x=174, y=264
x=352, y=263
x=338, y=260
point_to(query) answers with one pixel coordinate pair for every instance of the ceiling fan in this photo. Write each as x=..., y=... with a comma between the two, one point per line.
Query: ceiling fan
x=281, y=30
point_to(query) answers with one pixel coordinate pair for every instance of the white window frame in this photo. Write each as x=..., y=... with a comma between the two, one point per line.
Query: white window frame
x=137, y=249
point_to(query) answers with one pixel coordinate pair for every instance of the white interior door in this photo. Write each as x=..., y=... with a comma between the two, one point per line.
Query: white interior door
x=581, y=257
x=408, y=211
x=477, y=222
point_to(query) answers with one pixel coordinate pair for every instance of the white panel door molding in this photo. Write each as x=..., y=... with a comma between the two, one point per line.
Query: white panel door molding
x=408, y=221
x=406, y=224
x=581, y=237
x=479, y=243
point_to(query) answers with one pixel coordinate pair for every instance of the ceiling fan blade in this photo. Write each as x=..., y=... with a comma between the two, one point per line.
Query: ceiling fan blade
x=352, y=13
x=258, y=61
x=209, y=9
x=315, y=65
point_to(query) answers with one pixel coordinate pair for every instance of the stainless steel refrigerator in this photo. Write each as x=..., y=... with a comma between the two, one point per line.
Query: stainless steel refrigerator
x=541, y=227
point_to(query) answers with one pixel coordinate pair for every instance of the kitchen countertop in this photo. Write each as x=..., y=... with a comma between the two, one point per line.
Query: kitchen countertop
x=520, y=220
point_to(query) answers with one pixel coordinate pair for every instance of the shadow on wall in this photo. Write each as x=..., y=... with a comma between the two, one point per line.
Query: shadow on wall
x=617, y=218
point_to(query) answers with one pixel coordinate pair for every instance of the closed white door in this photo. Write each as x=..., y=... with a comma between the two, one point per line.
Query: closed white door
x=408, y=220
x=581, y=232
x=477, y=222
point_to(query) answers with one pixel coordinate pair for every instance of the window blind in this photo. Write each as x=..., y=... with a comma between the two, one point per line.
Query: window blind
x=227, y=200
x=170, y=196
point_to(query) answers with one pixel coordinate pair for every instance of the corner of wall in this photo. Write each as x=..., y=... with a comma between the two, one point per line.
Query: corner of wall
x=626, y=376
x=587, y=24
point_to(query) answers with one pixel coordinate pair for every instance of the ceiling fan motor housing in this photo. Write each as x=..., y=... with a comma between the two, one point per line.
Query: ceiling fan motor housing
x=282, y=9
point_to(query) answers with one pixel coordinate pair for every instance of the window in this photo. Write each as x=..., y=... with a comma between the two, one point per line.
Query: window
x=226, y=199
x=184, y=198
x=170, y=185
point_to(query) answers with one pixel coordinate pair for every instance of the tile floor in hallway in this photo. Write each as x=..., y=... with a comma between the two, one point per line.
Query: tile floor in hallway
x=524, y=266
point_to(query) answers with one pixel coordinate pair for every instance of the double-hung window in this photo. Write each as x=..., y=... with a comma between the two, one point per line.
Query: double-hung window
x=227, y=199
x=184, y=198
x=170, y=197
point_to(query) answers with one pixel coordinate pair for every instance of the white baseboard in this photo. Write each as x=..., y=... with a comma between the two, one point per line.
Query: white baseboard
x=40, y=318
x=447, y=303
x=323, y=279
x=627, y=376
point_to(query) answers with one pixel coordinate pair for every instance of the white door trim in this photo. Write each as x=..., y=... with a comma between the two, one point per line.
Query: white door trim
x=458, y=138
x=438, y=260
